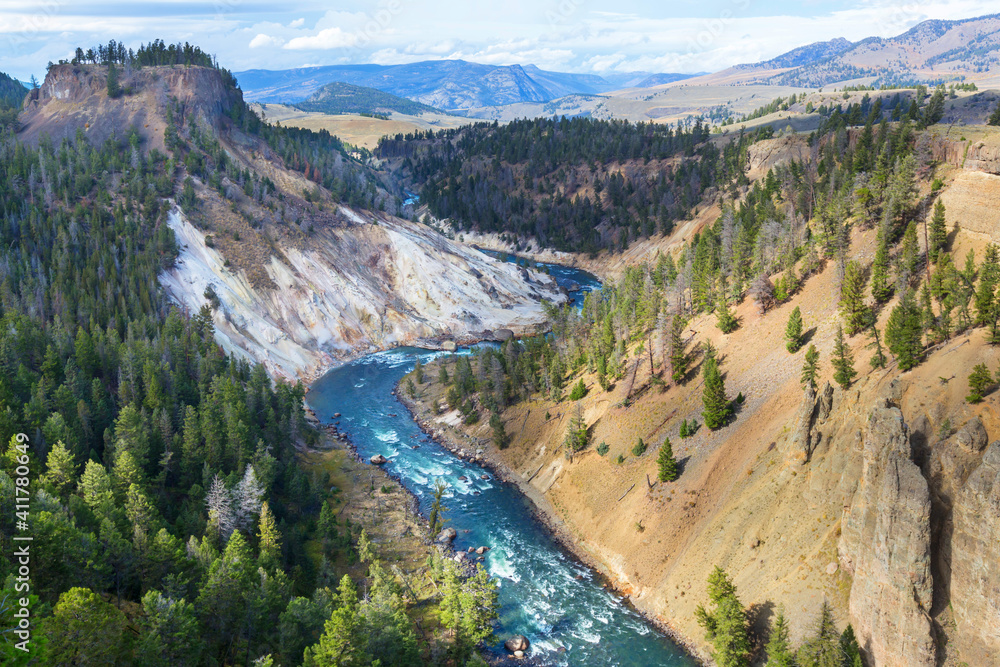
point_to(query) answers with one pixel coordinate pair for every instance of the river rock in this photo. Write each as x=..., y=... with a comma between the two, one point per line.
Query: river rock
x=886, y=544
x=482, y=550
x=517, y=643
x=336, y=415
x=504, y=334
x=518, y=654
x=378, y=459
x=447, y=535
x=460, y=557
x=449, y=346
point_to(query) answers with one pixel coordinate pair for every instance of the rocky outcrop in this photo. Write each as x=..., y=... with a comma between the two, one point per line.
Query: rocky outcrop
x=975, y=548
x=815, y=409
x=974, y=156
x=886, y=544
x=74, y=98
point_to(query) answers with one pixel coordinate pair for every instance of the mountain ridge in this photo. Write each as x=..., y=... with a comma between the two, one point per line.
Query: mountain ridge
x=445, y=84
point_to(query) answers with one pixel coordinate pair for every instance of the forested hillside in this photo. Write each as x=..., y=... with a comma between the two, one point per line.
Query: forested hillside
x=572, y=184
x=338, y=97
x=11, y=95
x=173, y=521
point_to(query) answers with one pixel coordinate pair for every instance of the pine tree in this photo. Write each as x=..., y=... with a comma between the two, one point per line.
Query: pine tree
x=220, y=509
x=577, y=434
x=881, y=287
x=343, y=641
x=779, y=650
x=986, y=298
x=843, y=361
x=170, y=633
x=84, y=630
x=994, y=118
x=726, y=624
x=666, y=463
x=849, y=648
x=114, y=88
x=810, y=369
x=823, y=648
x=500, y=437
x=269, y=538
x=938, y=232
x=852, y=299
x=793, y=331
x=878, y=359
x=716, y=406
x=436, y=519
x=979, y=382
x=61, y=469
x=904, y=332
x=578, y=391
x=725, y=319
x=909, y=255
x=679, y=359
x=247, y=499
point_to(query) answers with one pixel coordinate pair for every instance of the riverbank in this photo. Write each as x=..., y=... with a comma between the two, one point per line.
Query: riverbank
x=483, y=453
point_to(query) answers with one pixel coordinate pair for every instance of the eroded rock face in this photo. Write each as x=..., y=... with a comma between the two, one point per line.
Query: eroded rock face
x=975, y=567
x=370, y=286
x=886, y=544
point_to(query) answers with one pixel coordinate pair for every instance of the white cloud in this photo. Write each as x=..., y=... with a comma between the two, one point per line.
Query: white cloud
x=262, y=40
x=297, y=23
x=329, y=38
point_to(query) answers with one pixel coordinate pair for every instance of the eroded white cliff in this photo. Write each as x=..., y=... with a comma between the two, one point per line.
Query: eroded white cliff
x=372, y=285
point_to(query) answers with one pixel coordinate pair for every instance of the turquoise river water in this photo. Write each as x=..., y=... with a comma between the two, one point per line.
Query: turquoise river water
x=545, y=594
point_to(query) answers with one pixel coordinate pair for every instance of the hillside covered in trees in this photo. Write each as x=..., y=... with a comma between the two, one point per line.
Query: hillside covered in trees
x=339, y=97
x=572, y=184
x=174, y=521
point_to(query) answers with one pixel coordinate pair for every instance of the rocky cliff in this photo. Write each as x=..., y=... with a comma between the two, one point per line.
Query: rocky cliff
x=365, y=287
x=885, y=544
x=73, y=98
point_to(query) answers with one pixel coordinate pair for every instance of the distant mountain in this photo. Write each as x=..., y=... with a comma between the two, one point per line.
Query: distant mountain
x=445, y=84
x=804, y=55
x=339, y=97
x=659, y=80
x=930, y=51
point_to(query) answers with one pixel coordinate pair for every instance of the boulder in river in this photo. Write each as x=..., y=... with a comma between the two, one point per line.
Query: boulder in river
x=449, y=346
x=503, y=334
x=378, y=460
x=482, y=550
x=516, y=643
x=336, y=415
x=447, y=535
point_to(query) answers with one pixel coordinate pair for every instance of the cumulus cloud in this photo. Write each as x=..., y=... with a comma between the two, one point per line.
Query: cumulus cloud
x=297, y=23
x=262, y=41
x=328, y=38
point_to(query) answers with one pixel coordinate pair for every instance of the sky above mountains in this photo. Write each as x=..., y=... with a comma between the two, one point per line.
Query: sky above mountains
x=592, y=36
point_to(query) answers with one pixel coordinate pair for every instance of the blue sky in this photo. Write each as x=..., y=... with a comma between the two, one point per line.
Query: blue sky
x=568, y=35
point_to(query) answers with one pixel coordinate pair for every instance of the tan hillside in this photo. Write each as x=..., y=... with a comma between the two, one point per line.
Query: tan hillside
x=881, y=499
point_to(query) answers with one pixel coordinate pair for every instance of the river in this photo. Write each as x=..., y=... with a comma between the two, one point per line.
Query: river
x=545, y=594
